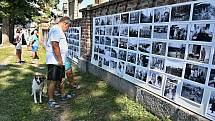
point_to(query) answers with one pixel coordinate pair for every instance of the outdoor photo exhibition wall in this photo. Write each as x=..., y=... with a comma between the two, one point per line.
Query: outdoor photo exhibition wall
x=74, y=35
x=168, y=50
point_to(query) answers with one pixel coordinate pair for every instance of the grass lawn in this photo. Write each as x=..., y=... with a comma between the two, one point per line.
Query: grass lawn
x=94, y=101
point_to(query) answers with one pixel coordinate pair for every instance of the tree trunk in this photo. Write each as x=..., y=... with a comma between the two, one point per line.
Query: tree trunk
x=7, y=31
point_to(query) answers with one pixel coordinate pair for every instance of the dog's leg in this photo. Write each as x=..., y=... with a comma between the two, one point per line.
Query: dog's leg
x=35, y=98
x=40, y=96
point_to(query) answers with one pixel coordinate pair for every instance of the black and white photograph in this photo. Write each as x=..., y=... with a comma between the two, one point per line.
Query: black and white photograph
x=96, y=39
x=199, y=53
x=103, y=20
x=211, y=81
x=115, y=42
x=196, y=73
x=144, y=46
x=143, y=60
x=178, y=32
x=97, y=21
x=160, y=32
x=108, y=41
x=170, y=87
x=106, y=62
x=180, y=13
x=159, y=48
x=124, y=31
x=100, y=61
x=115, y=31
x=124, y=18
x=202, y=32
x=96, y=48
x=204, y=10
x=155, y=79
x=131, y=57
x=102, y=40
x=107, y=52
x=134, y=17
x=133, y=31
x=102, y=50
x=114, y=53
x=122, y=55
x=141, y=74
x=121, y=68
x=161, y=14
x=97, y=30
x=192, y=92
x=109, y=20
x=95, y=57
x=157, y=63
x=123, y=43
x=146, y=16
x=132, y=44
x=130, y=70
x=176, y=50
x=116, y=20
x=113, y=64
x=145, y=31
x=174, y=67
x=108, y=31
x=102, y=30
x=210, y=110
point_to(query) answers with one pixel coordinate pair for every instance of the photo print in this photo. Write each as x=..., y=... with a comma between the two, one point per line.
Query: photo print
x=122, y=55
x=196, y=73
x=124, y=31
x=106, y=62
x=180, y=13
x=103, y=21
x=130, y=70
x=159, y=48
x=141, y=74
x=210, y=110
x=132, y=44
x=96, y=39
x=113, y=64
x=102, y=50
x=204, y=10
x=134, y=17
x=143, y=60
x=160, y=32
x=97, y=21
x=123, y=43
x=145, y=31
x=174, y=67
x=96, y=48
x=100, y=61
x=115, y=31
x=114, y=53
x=131, y=57
x=202, y=32
x=176, y=50
x=107, y=52
x=97, y=31
x=157, y=63
x=199, y=53
x=146, y=16
x=133, y=31
x=155, y=79
x=144, y=46
x=109, y=20
x=102, y=30
x=161, y=14
x=211, y=81
x=116, y=20
x=95, y=57
x=124, y=18
x=121, y=68
x=192, y=92
x=170, y=87
x=108, y=30
x=115, y=42
x=108, y=41
x=178, y=32
x=102, y=40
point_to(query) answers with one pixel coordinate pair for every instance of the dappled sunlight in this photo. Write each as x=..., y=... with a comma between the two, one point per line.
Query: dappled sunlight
x=97, y=93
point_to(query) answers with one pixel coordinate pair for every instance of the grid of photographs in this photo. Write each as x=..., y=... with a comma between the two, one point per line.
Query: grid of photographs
x=73, y=38
x=169, y=50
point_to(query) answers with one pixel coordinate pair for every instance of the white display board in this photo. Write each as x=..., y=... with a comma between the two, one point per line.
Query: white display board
x=73, y=38
x=168, y=50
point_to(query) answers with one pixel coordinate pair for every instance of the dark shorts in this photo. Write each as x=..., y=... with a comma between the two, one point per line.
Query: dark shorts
x=55, y=73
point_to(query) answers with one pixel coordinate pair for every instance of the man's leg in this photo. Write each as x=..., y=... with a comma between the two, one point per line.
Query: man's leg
x=51, y=89
x=62, y=88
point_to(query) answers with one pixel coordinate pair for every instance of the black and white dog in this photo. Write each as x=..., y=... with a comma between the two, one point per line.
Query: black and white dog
x=37, y=86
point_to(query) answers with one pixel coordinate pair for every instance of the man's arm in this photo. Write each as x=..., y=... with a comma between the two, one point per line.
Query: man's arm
x=56, y=49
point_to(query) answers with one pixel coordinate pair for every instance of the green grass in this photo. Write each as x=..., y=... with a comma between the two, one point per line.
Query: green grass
x=95, y=100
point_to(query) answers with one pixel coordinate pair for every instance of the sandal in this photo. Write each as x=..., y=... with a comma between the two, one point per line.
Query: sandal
x=53, y=104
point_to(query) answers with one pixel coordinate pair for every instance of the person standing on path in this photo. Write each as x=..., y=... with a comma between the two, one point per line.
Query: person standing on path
x=35, y=45
x=18, y=45
x=56, y=50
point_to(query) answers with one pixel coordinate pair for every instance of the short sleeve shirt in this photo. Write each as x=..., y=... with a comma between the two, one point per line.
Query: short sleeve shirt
x=56, y=34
